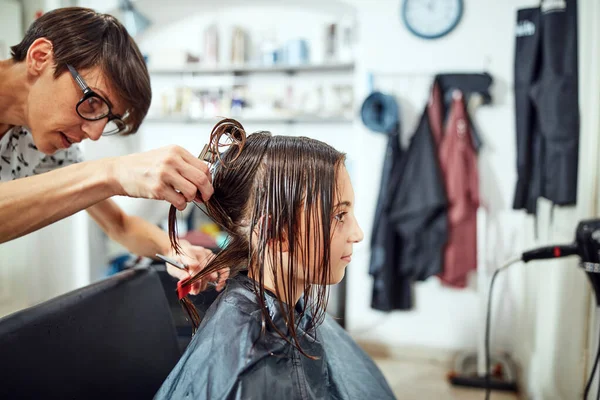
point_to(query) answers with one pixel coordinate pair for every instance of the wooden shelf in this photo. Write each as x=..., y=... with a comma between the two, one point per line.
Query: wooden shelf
x=257, y=69
x=279, y=120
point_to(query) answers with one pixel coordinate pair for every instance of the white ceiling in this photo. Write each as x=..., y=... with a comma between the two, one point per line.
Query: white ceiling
x=160, y=14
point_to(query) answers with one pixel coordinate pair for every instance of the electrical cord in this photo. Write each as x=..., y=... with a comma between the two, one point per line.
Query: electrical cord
x=591, y=378
x=488, y=389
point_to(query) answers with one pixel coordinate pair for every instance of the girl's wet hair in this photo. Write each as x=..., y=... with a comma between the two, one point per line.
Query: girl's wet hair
x=272, y=194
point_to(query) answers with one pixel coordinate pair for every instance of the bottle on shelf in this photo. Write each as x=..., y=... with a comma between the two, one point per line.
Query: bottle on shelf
x=211, y=45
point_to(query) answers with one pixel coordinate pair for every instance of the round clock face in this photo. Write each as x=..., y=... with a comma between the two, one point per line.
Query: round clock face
x=430, y=19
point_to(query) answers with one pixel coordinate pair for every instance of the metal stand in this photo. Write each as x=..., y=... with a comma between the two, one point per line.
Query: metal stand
x=503, y=374
x=470, y=367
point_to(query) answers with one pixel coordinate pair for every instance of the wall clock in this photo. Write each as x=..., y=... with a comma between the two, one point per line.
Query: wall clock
x=431, y=19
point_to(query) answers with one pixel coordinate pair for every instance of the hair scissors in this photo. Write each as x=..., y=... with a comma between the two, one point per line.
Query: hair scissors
x=206, y=154
x=179, y=265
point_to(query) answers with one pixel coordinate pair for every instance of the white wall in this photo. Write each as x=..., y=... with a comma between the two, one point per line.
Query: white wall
x=15, y=255
x=12, y=275
x=541, y=308
x=589, y=182
x=52, y=260
x=387, y=48
x=164, y=43
x=540, y=314
x=32, y=7
x=11, y=28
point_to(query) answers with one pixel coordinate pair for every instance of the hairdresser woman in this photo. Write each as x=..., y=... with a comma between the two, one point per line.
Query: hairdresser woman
x=78, y=75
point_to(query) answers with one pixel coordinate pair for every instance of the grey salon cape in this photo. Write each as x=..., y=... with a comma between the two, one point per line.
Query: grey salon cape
x=229, y=357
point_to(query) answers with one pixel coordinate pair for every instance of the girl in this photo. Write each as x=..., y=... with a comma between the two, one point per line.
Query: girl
x=288, y=206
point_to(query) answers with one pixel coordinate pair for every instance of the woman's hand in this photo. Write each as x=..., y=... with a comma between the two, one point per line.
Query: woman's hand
x=170, y=173
x=196, y=258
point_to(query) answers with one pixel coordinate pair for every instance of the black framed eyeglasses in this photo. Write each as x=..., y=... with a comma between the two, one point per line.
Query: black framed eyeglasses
x=93, y=107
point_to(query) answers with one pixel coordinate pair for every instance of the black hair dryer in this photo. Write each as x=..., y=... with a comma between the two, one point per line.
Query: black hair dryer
x=586, y=246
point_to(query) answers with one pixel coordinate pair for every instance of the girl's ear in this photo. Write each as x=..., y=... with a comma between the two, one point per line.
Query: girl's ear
x=284, y=246
x=270, y=233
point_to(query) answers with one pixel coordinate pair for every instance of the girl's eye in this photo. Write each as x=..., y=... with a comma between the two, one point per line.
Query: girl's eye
x=340, y=217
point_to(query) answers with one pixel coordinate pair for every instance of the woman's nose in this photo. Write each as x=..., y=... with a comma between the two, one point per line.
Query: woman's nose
x=94, y=129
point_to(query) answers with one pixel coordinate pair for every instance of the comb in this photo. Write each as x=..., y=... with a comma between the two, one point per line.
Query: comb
x=181, y=291
x=206, y=154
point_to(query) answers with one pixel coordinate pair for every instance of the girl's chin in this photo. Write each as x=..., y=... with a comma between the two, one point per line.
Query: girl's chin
x=337, y=276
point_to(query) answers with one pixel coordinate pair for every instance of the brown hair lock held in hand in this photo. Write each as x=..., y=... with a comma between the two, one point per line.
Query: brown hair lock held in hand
x=272, y=195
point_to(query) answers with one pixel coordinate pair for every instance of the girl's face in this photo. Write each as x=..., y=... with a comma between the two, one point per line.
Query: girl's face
x=344, y=233
x=344, y=228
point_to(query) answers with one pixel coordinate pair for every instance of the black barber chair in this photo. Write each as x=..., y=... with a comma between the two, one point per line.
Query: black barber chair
x=114, y=339
x=202, y=302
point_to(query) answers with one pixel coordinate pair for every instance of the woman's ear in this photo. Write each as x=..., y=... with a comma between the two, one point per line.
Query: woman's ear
x=40, y=56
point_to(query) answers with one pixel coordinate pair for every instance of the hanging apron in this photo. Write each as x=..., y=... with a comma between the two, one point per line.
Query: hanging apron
x=458, y=163
x=546, y=101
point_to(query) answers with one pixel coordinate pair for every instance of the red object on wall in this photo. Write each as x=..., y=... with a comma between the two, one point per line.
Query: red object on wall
x=458, y=162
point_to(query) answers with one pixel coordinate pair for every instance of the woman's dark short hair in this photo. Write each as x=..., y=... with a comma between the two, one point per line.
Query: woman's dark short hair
x=84, y=39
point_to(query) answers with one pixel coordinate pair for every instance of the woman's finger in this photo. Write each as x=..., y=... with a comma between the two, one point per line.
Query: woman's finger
x=195, y=162
x=196, y=177
x=176, y=272
x=185, y=187
x=175, y=198
x=197, y=172
x=223, y=276
x=195, y=288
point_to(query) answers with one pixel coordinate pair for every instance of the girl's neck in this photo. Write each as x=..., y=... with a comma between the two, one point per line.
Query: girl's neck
x=270, y=285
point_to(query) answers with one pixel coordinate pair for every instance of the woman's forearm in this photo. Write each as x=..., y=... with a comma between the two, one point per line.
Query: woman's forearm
x=143, y=238
x=136, y=234
x=31, y=203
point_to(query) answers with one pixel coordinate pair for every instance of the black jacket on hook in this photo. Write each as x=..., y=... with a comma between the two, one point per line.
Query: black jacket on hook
x=391, y=290
x=410, y=226
x=419, y=209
